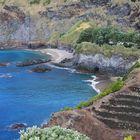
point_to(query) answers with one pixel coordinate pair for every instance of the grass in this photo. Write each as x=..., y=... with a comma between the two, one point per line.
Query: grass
x=107, y=50
x=73, y=34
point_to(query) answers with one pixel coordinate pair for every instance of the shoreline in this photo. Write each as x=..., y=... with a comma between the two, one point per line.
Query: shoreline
x=98, y=82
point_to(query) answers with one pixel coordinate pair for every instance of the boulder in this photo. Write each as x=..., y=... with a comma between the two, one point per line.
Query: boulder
x=41, y=68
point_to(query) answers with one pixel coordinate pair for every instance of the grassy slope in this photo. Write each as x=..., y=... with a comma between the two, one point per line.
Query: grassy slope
x=107, y=50
x=72, y=35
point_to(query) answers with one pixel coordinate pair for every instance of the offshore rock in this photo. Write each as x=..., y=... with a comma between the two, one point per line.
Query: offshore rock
x=31, y=62
x=18, y=126
x=41, y=68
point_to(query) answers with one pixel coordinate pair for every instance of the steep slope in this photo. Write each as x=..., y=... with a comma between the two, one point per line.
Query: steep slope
x=115, y=115
x=40, y=21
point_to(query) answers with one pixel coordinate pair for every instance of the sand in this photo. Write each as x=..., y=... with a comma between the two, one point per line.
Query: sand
x=56, y=55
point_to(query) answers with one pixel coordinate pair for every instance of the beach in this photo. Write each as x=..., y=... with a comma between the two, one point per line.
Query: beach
x=57, y=55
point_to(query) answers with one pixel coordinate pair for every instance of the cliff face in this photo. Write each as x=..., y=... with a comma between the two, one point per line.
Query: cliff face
x=116, y=64
x=19, y=25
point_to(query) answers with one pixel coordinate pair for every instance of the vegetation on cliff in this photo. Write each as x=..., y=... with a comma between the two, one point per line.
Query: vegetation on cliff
x=109, y=35
x=107, y=50
x=53, y=133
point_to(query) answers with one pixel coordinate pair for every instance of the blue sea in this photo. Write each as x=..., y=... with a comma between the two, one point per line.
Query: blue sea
x=31, y=98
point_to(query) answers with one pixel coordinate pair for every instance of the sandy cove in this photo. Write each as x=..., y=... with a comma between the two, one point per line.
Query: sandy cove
x=56, y=55
x=99, y=83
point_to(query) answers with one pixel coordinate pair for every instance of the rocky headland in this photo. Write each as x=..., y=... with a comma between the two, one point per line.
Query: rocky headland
x=54, y=29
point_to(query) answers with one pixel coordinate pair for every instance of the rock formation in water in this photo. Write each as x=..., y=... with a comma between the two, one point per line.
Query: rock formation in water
x=40, y=68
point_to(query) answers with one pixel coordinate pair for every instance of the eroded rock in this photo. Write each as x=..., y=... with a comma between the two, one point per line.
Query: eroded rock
x=3, y=64
x=32, y=62
x=41, y=68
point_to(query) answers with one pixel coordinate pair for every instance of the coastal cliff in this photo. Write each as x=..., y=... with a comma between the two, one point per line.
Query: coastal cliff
x=110, y=118
x=26, y=25
x=116, y=64
x=103, y=36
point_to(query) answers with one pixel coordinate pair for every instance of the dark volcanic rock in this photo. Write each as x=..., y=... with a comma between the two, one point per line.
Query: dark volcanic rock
x=41, y=68
x=36, y=45
x=18, y=126
x=3, y=64
x=123, y=10
x=31, y=62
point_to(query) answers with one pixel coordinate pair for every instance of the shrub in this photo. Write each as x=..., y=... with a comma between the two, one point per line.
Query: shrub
x=53, y=133
x=105, y=35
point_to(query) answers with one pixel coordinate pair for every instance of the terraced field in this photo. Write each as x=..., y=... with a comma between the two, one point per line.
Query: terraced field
x=121, y=111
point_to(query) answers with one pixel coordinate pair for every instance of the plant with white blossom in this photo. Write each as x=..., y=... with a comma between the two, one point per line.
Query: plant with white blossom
x=53, y=133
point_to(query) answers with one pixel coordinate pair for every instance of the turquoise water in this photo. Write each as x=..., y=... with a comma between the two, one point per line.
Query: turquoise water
x=31, y=98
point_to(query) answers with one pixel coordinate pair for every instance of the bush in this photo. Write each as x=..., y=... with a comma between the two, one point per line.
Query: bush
x=53, y=133
x=108, y=34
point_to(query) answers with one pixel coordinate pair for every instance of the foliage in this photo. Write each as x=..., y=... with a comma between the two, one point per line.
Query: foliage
x=105, y=35
x=53, y=133
x=136, y=65
x=128, y=138
x=107, y=50
x=117, y=85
